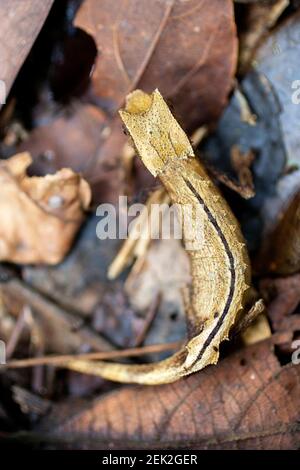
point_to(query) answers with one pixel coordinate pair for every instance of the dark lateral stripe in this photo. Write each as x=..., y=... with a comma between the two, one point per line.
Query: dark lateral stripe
x=218, y=229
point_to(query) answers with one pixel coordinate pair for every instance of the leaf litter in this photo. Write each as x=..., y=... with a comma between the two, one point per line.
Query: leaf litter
x=74, y=308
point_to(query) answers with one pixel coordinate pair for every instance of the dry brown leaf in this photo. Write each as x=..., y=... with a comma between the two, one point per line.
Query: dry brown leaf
x=21, y=21
x=186, y=49
x=39, y=215
x=248, y=401
x=189, y=74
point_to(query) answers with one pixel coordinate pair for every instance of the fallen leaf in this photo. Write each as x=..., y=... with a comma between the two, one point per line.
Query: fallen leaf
x=40, y=215
x=20, y=25
x=187, y=49
x=248, y=401
x=189, y=76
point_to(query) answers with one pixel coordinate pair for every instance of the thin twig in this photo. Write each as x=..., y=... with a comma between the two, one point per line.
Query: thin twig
x=56, y=360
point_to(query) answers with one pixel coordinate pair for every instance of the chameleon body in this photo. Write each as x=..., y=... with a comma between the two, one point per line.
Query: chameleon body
x=220, y=269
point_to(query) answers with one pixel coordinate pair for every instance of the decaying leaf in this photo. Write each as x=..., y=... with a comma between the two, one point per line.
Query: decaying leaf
x=39, y=215
x=219, y=261
x=136, y=41
x=186, y=49
x=21, y=23
x=248, y=401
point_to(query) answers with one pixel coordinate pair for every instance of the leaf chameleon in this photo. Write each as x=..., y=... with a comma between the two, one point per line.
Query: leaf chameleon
x=220, y=268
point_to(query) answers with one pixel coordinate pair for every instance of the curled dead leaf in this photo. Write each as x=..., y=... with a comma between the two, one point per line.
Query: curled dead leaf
x=39, y=215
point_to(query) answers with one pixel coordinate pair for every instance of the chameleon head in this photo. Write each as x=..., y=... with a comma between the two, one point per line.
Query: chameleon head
x=155, y=132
